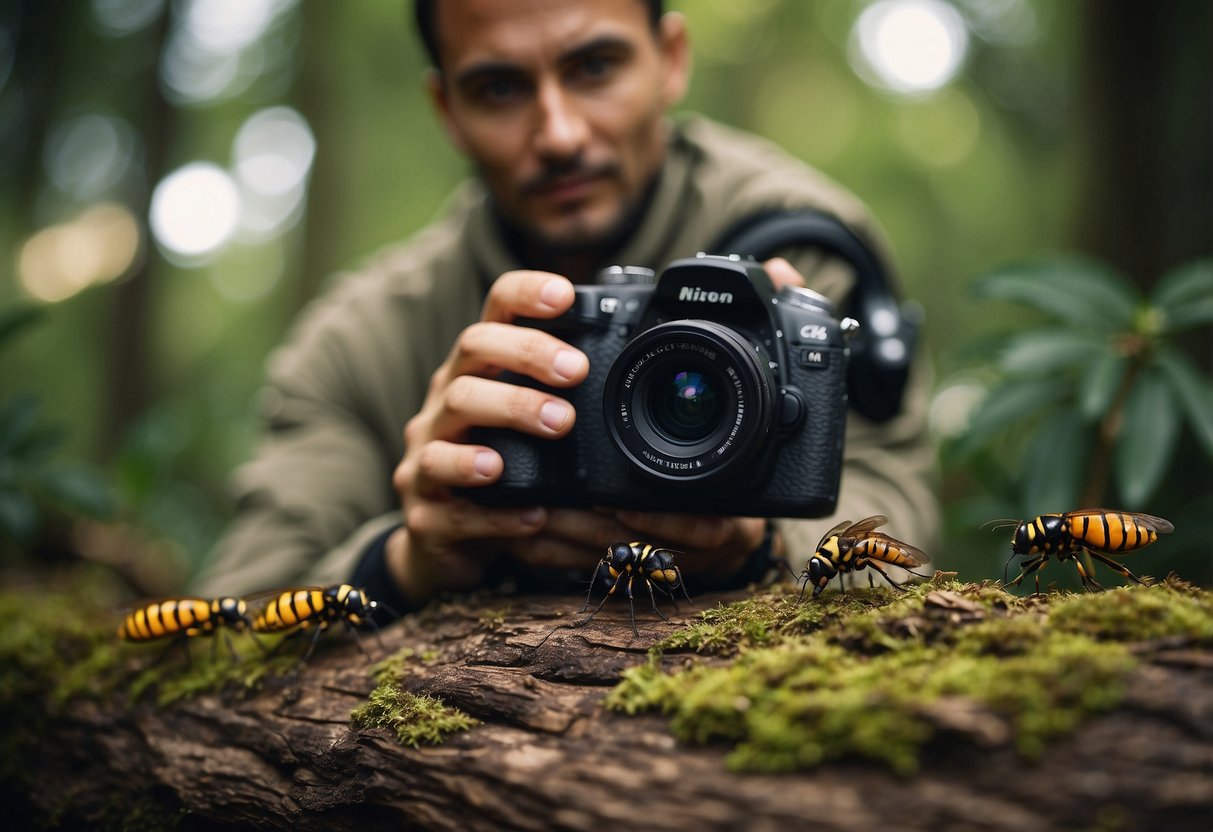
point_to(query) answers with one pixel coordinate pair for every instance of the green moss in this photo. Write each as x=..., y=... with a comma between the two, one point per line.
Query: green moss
x=1171, y=609
x=414, y=718
x=871, y=674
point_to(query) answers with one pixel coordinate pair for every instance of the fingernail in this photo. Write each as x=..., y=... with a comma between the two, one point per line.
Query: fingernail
x=555, y=293
x=485, y=463
x=567, y=363
x=531, y=516
x=554, y=415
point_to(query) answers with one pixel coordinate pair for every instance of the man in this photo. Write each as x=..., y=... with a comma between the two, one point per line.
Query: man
x=561, y=106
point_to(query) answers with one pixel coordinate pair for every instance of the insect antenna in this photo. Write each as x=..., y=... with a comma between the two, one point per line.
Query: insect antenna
x=1004, y=568
x=1000, y=523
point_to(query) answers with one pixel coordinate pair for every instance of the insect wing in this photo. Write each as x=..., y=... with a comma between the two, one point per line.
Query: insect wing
x=866, y=526
x=909, y=555
x=843, y=525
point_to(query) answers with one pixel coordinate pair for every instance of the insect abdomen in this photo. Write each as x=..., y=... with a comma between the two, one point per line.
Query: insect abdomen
x=290, y=609
x=1111, y=532
x=166, y=618
x=878, y=549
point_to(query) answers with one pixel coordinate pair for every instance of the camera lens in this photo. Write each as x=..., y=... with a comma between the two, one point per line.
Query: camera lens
x=689, y=402
x=686, y=405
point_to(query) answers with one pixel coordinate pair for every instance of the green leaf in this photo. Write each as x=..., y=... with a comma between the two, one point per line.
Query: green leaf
x=1005, y=405
x=1097, y=386
x=1049, y=349
x=1072, y=289
x=18, y=516
x=1056, y=462
x=1148, y=435
x=1190, y=282
x=1193, y=390
x=1185, y=296
x=19, y=416
x=79, y=489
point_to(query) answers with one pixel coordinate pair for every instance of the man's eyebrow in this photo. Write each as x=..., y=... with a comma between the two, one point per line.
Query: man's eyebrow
x=605, y=43
x=492, y=69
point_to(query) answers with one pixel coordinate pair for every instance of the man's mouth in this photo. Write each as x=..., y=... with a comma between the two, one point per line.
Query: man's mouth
x=567, y=185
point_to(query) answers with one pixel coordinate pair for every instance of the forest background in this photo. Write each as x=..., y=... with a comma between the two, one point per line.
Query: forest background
x=177, y=179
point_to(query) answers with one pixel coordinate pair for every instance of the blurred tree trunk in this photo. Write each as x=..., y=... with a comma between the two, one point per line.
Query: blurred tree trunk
x=1147, y=99
x=317, y=81
x=128, y=370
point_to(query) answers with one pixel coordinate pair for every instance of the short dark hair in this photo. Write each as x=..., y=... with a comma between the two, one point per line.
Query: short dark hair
x=425, y=18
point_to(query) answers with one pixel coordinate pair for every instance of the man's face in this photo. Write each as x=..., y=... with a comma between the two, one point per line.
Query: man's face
x=560, y=104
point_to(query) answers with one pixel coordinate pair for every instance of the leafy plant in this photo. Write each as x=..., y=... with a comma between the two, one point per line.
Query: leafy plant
x=34, y=479
x=1090, y=402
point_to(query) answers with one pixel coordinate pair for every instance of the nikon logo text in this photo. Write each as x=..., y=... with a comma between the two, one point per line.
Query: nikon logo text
x=694, y=293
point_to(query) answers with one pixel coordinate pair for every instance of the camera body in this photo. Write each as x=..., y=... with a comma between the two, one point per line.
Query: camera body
x=708, y=392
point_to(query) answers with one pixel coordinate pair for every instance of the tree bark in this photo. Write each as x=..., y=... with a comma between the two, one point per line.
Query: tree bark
x=548, y=756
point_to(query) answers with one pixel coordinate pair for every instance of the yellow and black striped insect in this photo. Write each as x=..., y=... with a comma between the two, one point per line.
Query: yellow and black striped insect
x=293, y=611
x=184, y=618
x=852, y=547
x=1096, y=531
x=652, y=564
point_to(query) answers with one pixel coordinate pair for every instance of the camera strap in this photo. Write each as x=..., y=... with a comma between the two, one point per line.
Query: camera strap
x=882, y=349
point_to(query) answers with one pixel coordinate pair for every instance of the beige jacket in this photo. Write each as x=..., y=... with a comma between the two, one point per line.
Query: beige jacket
x=357, y=365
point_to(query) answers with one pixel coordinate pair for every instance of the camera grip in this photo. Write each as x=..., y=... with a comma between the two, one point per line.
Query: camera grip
x=525, y=466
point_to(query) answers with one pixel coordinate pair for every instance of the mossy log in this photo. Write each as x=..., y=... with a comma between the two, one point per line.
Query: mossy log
x=540, y=750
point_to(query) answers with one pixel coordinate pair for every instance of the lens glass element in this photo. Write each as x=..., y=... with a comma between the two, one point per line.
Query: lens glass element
x=687, y=407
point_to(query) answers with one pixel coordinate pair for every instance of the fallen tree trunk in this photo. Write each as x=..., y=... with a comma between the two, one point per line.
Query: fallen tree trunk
x=547, y=755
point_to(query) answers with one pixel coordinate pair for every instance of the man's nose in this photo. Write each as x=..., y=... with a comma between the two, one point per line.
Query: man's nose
x=561, y=131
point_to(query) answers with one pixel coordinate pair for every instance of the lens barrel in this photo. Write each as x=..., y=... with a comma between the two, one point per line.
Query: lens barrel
x=689, y=402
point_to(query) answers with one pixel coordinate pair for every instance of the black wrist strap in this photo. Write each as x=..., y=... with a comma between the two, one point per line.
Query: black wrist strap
x=371, y=574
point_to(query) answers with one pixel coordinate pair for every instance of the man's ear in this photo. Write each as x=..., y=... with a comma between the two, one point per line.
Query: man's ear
x=436, y=90
x=675, y=48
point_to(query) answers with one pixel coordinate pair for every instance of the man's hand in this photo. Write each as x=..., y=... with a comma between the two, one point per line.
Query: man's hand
x=716, y=547
x=447, y=541
x=435, y=548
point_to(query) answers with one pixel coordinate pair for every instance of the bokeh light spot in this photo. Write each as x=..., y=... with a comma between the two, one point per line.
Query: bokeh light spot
x=195, y=210
x=909, y=46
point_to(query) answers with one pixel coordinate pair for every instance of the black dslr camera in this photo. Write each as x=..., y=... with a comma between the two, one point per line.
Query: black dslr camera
x=707, y=392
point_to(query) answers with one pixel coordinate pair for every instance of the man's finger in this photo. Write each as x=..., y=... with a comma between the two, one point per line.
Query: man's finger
x=484, y=349
x=528, y=294
x=783, y=273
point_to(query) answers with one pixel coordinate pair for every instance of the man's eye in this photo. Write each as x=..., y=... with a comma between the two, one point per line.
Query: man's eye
x=495, y=91
x=594, y=68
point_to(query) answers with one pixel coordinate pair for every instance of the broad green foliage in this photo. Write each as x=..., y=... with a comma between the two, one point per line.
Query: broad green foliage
x=34, y=478
x=1090, y=403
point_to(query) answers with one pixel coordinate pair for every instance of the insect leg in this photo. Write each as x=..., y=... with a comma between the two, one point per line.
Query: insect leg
x=682, y=585
x=653, y=598
x=594, y=580
x=307, y=654
x=358, y=638
x=1119, y=567
x=632, y=604
x=1027, y=568
x=181, y=640
x=874, y=565
x=609, y=593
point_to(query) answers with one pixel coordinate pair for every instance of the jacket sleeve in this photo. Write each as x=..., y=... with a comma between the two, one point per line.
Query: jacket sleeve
x=301, y=503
